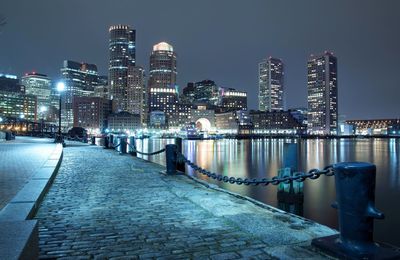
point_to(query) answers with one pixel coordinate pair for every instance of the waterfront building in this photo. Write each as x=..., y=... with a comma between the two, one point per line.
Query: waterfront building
x=227, y=122
x=322, y=94
x=157, y=120
x=163, y=92
x=375, y=126
x=91, y=113
x=271, y=85
x=122, y=49
x=38, y=85
x=181, y=117
x=136, y=92
x=276, y=122
x=232, y=99
x=80, y=80
x=124, y=122
x=10, y=83
x=203, y=117
x=18, y=105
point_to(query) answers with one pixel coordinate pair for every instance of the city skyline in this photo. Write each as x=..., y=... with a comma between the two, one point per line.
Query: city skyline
x=204, y=54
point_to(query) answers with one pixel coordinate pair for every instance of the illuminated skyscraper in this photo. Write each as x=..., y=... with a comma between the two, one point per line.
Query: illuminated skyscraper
x=322, y=94
x=163, y=93
x=122, y=55
x=136, y=92
x=80, y=80
x=270, y=85
x=38, y=85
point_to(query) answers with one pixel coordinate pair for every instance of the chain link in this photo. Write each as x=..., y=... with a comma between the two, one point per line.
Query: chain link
x=133, y=146
x=297, y=176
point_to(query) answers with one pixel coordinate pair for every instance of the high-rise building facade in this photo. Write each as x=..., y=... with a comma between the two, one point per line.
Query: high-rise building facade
x=18, y=105
x=136, y=92
x=91, y=113
x=80, y=80
x=122, y=55
x=271, y=82
x=322, y=94
x=163, y=93
x=38, y=85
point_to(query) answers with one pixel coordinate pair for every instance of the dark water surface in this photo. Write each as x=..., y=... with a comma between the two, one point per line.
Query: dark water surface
x=263, y=159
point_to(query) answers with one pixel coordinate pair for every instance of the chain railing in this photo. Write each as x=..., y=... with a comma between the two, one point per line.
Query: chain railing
x=134, y=149
x=297, y=176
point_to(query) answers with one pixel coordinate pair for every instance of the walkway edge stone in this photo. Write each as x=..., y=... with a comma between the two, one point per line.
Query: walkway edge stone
x=20, y=233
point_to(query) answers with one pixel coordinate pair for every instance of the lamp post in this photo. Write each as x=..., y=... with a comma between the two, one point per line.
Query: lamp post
x=43, y=109
x=60, y=89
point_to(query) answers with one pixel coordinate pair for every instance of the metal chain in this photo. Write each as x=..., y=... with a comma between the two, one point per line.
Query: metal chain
x=114, y=147
x=297, y=176
x=142, y=153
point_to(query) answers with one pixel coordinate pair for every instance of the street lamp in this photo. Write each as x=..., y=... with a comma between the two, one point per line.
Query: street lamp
x=60, y=89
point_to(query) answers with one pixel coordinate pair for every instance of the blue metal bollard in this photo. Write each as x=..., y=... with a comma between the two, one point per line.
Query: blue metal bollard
x=170, y=158
x=180, y=166
x=132, y=142
x=355, y=201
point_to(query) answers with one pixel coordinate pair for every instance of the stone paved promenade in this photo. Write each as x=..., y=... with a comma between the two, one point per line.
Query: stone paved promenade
x=107, y=206
x=19, y=159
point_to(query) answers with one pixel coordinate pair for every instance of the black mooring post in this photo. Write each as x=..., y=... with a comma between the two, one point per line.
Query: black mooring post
x=111, y=141
x=132, y=143
x=93, y=140
x=122, y=147
x=355, y=202
x=106, y=142
x=180, y=166
x=170, y=158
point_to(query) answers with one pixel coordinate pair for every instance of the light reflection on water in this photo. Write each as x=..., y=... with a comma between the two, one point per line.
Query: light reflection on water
x=263, y=159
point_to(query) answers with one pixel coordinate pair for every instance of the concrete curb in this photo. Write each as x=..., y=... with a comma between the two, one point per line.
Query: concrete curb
x=20, y=233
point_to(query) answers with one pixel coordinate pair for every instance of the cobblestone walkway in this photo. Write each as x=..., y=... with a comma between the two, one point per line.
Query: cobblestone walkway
x=106, y=206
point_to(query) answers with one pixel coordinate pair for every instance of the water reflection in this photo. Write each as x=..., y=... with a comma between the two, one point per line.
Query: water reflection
x=264, y=158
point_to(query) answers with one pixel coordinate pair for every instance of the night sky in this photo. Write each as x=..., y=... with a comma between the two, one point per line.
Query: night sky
x=221, y=40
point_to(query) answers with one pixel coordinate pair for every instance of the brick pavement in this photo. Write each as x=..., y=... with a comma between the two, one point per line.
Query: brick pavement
x=106, y=206
x=19, y=159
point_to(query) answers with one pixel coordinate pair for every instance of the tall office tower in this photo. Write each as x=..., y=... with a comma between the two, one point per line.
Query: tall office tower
x=270, y=85
x=38, y=85
x=322, y=94
x=136, y=92
x=122, y=55
x=163, y=93
x=80, y=80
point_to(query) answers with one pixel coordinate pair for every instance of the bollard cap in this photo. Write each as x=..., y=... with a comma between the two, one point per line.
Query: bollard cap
x=354, y=165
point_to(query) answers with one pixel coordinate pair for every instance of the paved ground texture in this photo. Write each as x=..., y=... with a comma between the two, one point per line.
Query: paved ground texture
x=19, y=159
x=108, y=206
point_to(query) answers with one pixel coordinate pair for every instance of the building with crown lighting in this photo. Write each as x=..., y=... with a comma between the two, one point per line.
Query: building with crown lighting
x=162, y=89
x=122, y=51
x=322, y=94
x=271, y=82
